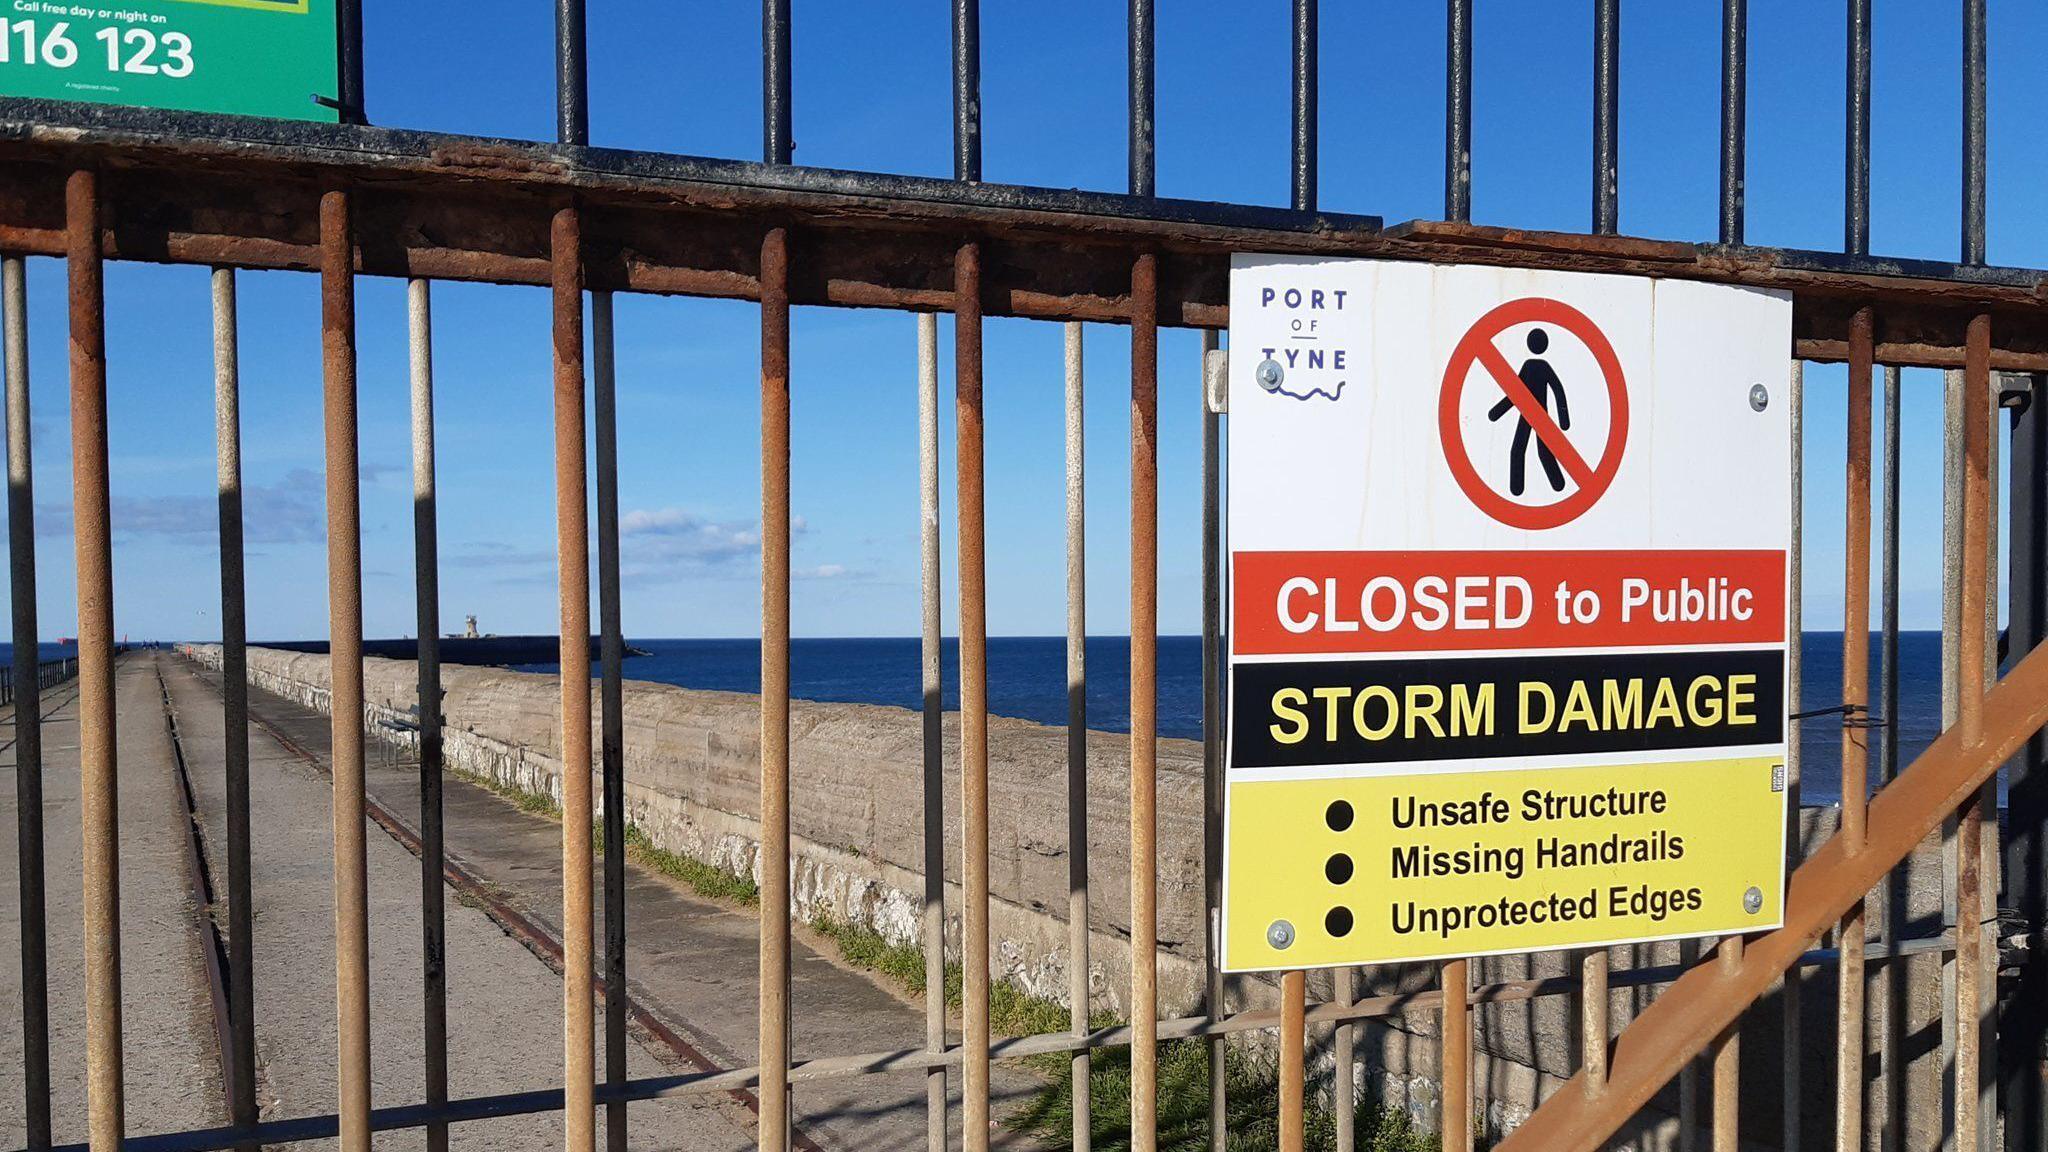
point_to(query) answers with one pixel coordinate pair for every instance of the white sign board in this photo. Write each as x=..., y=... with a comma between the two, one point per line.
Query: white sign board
x=1508, y=610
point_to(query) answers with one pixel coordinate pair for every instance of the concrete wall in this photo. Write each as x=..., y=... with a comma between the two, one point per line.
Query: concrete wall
x=692, y=784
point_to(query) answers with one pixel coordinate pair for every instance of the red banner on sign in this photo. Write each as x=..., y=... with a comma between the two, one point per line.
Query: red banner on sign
x=1302, y=603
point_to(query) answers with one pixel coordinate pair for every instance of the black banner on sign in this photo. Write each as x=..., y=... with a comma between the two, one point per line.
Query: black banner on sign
x=1293, y=713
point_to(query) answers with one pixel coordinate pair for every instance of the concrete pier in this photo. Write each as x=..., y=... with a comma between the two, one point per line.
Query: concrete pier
x=691, y=787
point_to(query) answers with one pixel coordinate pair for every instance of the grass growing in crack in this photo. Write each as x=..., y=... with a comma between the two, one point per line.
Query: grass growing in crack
x=1183, y=1099
x=1011, y=1012
x=1183, y=1073
x=705, y=879
x=531, y=803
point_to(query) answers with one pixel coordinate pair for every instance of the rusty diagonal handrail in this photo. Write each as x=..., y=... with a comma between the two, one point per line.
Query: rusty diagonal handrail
x=1706, y=1000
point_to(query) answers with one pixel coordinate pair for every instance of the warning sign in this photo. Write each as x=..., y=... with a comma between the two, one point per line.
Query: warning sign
x=1508, y=611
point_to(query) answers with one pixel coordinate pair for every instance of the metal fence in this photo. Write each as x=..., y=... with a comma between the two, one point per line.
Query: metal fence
x=88, y=184
x=45, y=675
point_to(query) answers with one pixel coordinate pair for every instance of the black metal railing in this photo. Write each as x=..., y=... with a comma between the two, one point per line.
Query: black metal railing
x=86, y=184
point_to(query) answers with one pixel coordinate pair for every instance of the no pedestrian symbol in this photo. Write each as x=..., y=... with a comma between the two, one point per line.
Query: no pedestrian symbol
x=1542, y=458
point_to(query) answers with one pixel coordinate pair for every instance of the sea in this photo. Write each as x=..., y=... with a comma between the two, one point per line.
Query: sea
x=1027, y=680
x=45, y=652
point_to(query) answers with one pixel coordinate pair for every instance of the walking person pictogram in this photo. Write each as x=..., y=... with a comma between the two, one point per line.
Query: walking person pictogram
x=1541, y=380
x=1537, y=393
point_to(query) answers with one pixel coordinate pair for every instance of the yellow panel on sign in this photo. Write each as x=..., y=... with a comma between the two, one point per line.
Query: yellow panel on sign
x=1367, y=870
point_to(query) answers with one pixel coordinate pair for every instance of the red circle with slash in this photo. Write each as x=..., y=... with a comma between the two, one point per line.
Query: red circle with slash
x=1476, y=347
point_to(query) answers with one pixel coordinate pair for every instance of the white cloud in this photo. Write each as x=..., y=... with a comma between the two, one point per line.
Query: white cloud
x=293, y=510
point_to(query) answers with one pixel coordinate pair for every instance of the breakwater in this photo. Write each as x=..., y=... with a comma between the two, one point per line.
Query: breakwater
x=488, y=651
x=692, y=785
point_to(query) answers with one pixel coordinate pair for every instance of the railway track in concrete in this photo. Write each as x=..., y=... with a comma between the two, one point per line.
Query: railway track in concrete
x=692, y=1016
x=658, y=1029
x=180, y=1075
x=649, y=1022
x=212, y=942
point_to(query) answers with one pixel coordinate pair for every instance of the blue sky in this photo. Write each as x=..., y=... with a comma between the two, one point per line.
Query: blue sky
x=872, y=92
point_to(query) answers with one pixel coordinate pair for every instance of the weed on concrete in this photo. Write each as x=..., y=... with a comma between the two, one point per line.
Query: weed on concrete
x=1253, y=1086
x=706, y=880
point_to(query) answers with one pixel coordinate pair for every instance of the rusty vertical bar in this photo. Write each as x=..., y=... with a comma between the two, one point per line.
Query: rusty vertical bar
x=28, y=726
x=934, y=728
x=1728, y=1063
x=427, y=618
x=572, y=106
x=1455, y=1056
x=974, y=996
x=1792, y=1046
x=1991, y=879
x=1976, y=988
x=1855, y=742
x=612, y=713
x=572, y=538
x=1606, y=116
x=227, y=416
x=1734, y=116
x=1214, y=711
x=775, y=529
x=345, y=664
x=1293, y=1057
x=1970, y=642
x=1144, y=702
x=99, y=812
x=1078, y=985
x=1458, y=110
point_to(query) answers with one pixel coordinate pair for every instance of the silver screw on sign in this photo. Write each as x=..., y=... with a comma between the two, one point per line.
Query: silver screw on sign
x=1270, y=376
x=1753, y=901
x=1759, y=397
x=1281, y=934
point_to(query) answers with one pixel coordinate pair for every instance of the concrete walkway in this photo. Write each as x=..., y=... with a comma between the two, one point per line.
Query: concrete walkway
x=504, y=1005
x=692, y=961
x=171, y=1069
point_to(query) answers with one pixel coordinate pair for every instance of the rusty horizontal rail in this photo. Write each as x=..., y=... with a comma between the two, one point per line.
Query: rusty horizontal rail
x=91, y=183
x=731, y=1080
x=224, y=191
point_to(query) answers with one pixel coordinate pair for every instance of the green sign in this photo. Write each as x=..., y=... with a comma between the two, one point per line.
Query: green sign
x=249, y=57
